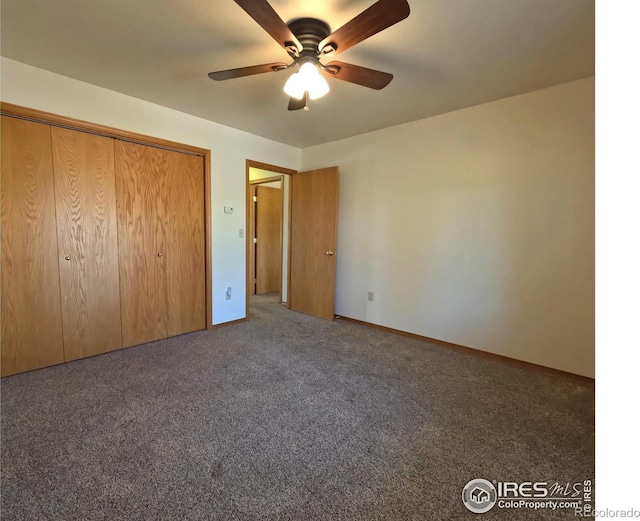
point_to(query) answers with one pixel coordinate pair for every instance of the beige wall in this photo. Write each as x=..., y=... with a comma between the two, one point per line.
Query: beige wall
x=230, y=148
x=475, y=227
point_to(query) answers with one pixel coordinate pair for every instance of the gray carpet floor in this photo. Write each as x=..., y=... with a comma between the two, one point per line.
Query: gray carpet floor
x=285, y=417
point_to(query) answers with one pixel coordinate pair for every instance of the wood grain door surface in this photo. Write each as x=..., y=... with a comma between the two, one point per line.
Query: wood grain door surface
x=252, y=245
x=141, y=221
x=184, y=243
x=160, y=196
x=31, y=315
x=103, y=244
x=85, y=199
x=269, y=235
x=314, y=226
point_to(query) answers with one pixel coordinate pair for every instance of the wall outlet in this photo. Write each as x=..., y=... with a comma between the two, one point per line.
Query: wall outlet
x=370, y=296
x=227, y=295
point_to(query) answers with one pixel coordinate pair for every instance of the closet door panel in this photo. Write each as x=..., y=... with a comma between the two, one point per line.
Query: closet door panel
x=87, y=237
x=31, y=317
x=185, y=256
x=141, y=209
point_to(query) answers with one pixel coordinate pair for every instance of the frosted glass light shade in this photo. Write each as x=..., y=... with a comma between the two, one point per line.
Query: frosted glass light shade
x=294, y=86
x=307, y=79
x=313, y=82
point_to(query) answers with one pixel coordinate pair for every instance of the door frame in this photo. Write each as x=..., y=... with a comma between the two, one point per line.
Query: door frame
x=279, y=172
x=55, y=120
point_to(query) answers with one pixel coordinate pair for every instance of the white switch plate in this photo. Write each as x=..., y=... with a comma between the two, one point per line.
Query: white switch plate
x=228, y=209
x=241, y=233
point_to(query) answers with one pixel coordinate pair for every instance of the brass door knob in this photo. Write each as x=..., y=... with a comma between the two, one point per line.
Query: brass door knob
x=159, y=254
x=331, y=252
x=67, y=258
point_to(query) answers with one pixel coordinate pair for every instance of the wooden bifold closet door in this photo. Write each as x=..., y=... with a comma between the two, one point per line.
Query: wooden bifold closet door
x=85, y=195
x=160, y=205
x=31, y=316
x=60, y=294
x=103, y=244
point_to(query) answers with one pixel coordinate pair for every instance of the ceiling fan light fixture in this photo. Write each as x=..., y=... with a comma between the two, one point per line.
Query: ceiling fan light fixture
x=307, y=79
x=308, y=40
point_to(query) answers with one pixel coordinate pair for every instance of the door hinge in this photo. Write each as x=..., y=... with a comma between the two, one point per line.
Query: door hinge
x=255, y=240
x=255, y=198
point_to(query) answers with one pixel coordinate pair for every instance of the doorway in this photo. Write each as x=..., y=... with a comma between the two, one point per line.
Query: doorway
x=308, y=238
x=267, y=232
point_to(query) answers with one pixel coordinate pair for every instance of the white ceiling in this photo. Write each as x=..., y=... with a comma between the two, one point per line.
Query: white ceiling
x=447, y=55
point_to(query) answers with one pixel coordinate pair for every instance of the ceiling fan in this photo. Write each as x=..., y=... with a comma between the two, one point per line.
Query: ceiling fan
x=308, y=40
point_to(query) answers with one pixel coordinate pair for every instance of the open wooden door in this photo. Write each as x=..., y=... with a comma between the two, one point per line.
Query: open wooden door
x=269, y=235
x=314, y=229
x=251, y=225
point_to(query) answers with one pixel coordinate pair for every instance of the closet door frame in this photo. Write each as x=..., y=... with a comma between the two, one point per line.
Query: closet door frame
x=38, y=116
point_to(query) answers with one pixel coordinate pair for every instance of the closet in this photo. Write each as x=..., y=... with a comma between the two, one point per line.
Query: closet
x=103, y=244
x=160, y=225
x=85, y=197
x=31, y=315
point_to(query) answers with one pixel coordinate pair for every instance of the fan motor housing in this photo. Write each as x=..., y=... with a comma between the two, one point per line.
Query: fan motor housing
x=309, y=32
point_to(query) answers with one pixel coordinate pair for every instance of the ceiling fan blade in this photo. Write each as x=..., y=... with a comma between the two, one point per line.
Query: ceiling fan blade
x=247, y=71
x=378, y=17
x=297, y=104
x=355, y=74
x=262, y=12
